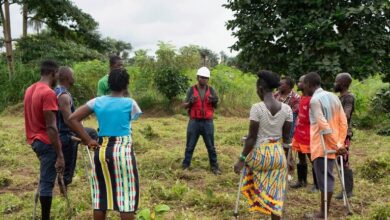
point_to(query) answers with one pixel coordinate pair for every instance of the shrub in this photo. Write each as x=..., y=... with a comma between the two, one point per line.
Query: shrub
x=171, y=82
x=375, y=168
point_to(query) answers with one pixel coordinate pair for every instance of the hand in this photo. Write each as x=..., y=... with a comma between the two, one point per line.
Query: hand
x=238, y=166
x=60, y=164
x=341, y=151
x=92, y=144
x=213, y=99
x=192, y=100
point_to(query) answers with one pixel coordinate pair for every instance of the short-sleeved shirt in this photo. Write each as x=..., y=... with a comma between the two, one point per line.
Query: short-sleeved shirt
x=270, y=126
x=39, y=97
x=348, y=101
x=302, y=129
x=114, y=114
x=103, y=88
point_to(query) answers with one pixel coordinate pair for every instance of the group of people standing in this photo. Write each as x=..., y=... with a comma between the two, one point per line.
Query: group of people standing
x=285, y=119
x=51, y=120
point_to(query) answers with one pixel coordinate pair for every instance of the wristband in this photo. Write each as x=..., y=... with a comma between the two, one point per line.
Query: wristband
x=242, y=157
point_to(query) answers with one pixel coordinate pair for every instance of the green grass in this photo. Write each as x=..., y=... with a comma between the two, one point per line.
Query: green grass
x=194, y=194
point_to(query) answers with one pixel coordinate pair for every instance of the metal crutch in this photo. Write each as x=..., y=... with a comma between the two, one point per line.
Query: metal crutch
x=239, y=186
x=346, y=200
x=326, y=152
x=342, y=177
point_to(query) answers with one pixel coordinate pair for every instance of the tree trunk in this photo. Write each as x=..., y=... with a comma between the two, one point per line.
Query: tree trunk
x=5, y=18
x=25, y=20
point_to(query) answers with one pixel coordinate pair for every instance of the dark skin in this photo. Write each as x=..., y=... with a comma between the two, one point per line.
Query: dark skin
x=75, y=124
x=51, y=124
x=274, y=107
x=284, y=89
x=202, y=83
x=341, y=85
x=340, y=151
x=66, y=80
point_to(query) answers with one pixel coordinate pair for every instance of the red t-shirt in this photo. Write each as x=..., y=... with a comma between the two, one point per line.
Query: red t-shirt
x=39, y=97
x=302, y=128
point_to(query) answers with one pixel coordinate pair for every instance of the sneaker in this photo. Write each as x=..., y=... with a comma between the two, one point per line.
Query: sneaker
x=216, y=170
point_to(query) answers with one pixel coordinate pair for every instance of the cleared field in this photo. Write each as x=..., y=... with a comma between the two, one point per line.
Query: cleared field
x=194, y=194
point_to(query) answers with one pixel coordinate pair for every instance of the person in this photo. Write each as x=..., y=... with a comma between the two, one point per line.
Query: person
x=66, y=107
x=40, y=107
x=326, y=113
x=341, y=85
x=116, y=62
x=265, y=172
x=201, y=100
x=301, y=139
x=115, y=184
x=287, y=95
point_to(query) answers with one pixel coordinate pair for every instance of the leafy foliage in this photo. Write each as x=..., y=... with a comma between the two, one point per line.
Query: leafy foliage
x=295, y=37
x=171, y=82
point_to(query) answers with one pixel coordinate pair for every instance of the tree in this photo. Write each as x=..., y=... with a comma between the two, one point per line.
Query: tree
x=295, y=37
x=6, y=23
x=209, y=58
x=169, y=77
x=189, y=57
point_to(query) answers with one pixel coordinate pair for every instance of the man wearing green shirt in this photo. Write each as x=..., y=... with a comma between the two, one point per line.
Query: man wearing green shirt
x=115, y=63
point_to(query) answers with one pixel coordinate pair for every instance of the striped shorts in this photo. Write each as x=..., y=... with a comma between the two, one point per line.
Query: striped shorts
x=114, y=179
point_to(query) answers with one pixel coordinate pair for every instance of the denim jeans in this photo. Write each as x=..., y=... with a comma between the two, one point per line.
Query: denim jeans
x=69, y=150
x=204, y=128
x=47, y=158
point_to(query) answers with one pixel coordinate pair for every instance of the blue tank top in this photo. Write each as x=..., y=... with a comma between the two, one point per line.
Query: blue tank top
x=62, y=127
x=114, y=114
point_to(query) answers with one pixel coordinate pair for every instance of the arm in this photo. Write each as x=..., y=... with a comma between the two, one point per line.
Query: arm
x=348, y=107
x=214, y=98
x=249, y=144
x=52, y=132
x=286, y=132
x=64, y=107
x=189, y=100
x=343, y=130
x=75, y=124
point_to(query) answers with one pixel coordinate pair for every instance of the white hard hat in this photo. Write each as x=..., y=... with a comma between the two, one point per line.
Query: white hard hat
x=203, y=71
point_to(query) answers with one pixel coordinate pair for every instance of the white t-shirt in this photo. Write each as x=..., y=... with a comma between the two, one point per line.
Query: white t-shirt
x=270, y=126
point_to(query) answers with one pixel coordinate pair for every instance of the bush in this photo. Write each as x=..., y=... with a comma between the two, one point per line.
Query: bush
x=376, y=168
x=381, y=212
x=171, y=82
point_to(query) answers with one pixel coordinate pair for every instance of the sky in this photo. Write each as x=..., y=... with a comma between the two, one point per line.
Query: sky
x=145, y=22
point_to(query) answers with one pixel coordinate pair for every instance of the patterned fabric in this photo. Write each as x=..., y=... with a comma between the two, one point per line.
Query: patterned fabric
x=326, y=113
x=114, y=179
x=264, y=183
x=292, y=100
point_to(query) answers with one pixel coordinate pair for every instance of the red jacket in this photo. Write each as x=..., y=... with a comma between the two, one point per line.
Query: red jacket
x=201, y=109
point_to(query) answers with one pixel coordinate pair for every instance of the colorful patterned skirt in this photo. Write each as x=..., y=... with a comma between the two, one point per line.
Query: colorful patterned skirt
x=114, y=179
x=264, y=182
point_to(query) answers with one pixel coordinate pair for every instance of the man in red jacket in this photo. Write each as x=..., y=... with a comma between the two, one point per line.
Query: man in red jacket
x=201, y=100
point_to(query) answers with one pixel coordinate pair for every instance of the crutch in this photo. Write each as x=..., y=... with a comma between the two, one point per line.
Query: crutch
x=36, y=196
x=239, y=186
x=326, y=152
x=340, y=171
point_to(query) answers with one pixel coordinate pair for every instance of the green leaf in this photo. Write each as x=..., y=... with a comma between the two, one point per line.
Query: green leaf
x=161, y=208
x=144, y=214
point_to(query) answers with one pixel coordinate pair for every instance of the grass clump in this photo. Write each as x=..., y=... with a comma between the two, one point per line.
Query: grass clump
x=381, y=212
x=376, y=168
